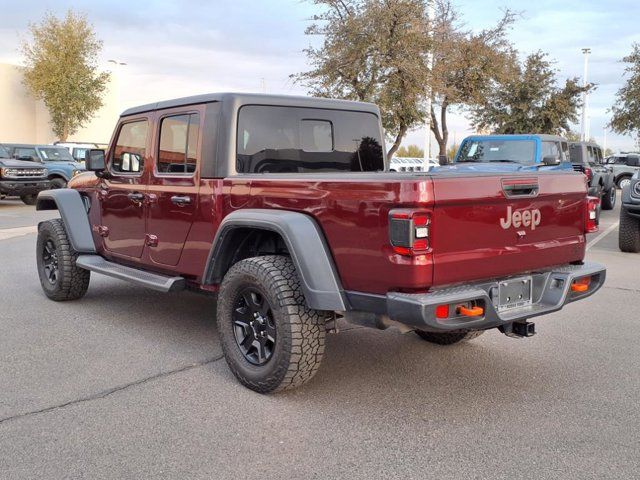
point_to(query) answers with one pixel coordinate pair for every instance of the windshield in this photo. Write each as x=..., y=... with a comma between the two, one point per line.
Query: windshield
x=4, y=153
x=56, y=154
x=487, y=150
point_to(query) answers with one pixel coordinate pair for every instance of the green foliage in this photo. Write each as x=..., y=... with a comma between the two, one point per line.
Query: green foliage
x=61, y=69
x=412, y=151
x=626, y=110
x=373, y=50
x=466, y=64
x=530, y=101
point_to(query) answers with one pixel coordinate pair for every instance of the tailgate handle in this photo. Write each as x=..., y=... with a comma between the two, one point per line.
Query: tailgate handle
x=520, y=188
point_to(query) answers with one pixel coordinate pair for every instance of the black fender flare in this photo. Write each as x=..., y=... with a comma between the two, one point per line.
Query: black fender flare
x=74, y=216
x=306, y=244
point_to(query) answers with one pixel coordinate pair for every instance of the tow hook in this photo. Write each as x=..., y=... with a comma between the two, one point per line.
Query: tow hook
x=519, y=329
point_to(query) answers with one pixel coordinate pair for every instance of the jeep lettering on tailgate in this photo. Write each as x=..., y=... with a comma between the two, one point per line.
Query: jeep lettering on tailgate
x=285, y=209
x=525, y=218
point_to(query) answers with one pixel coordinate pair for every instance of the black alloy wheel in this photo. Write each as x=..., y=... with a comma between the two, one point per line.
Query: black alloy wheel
x=50, y=262
x=253, y=326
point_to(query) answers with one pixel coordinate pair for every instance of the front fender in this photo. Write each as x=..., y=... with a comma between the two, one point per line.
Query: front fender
x=74, y=216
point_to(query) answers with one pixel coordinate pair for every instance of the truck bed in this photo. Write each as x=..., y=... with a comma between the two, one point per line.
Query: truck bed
x=468, y=241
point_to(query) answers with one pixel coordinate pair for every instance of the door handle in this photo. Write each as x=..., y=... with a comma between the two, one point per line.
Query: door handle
x=136, y=197
x=180, y=201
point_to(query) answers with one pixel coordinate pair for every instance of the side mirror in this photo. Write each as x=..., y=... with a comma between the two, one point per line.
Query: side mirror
x=95, y=160
x=550, y=160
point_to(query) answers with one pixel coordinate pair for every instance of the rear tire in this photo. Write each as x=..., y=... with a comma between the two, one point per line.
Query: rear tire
x=60, y=278
x=449, y=338
x=271, y=340
x=29, y=199
x=609, y=199
x=629, y=233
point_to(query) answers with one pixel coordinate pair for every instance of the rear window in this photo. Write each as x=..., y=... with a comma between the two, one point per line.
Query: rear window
x=296, y=140
x=486, y=150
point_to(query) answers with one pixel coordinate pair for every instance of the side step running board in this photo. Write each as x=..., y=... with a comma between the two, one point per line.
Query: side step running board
x=161, y=283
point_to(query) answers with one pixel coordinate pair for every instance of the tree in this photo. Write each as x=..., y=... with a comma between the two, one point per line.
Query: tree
x=451, y=151
x=531, y=101
x=373, y=50
x=61, y=69
x=466, y=64
x=626, y=110
x=412, y=151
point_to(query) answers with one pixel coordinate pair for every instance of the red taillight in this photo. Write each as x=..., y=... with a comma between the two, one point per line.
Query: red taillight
x=589, y=173
x=409, y=231
x=442, y=311
x=591, y=214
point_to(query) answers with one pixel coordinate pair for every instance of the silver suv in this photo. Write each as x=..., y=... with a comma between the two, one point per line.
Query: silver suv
x=624, y=165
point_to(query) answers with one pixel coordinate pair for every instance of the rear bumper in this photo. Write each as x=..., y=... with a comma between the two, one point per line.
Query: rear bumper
x=23, y=187
x=550, y=292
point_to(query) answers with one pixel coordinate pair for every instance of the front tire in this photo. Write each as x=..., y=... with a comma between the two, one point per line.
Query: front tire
x=449, y=338
x=60, y=278
x=629, y=233
x=623, y=182
x=609, y=199
x=57, y=183
x=29, y=199
x=271, y=340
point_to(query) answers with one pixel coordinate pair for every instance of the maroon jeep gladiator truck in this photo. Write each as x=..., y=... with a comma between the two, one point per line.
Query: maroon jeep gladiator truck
x=285, y=209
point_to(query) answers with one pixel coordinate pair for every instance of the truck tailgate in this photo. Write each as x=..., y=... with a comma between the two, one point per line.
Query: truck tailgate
x=496, y=225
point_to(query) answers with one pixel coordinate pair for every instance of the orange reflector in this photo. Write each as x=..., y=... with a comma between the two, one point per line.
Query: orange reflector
x=442, y=311
x=470, y=312
x=581, y=284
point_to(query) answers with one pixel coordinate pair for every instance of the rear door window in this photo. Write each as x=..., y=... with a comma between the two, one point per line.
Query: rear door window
x=274, y=139
x=177, y=153
x=130, y=148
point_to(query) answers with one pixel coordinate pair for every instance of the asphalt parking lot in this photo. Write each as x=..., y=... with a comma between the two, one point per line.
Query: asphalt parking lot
x=129, y=383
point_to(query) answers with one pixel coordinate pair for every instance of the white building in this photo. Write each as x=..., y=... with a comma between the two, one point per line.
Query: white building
x=25, y=120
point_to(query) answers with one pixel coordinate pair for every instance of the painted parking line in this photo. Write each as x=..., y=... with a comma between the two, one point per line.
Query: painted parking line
x=602, y=235
x=7, y=233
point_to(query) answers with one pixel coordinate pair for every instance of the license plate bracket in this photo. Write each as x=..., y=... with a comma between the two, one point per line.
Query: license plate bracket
x=514, y=293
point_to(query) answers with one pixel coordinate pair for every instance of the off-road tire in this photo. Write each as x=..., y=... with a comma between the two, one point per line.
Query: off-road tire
x=609, y=199
x=629, y=233
x=57, y=183
x=300, y=330
x=29, y=199
x=449, y=338
x=72, y=282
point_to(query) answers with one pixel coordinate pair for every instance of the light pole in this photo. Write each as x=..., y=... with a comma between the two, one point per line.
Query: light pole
x=584, y=126
x=427, y=123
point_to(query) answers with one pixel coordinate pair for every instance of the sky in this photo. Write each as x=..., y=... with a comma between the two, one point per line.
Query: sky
x=180, y=48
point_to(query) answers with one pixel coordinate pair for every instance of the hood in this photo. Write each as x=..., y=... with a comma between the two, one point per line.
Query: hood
x=76, y=165
x=11, y=163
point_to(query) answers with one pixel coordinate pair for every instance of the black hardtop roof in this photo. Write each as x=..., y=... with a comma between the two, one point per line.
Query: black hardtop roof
x=256, y=99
